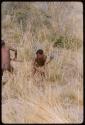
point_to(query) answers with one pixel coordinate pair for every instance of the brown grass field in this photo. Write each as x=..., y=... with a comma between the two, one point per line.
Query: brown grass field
x=58, y=98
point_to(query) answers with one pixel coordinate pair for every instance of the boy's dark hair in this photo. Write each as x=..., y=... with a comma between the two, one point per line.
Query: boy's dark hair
x=40, y=51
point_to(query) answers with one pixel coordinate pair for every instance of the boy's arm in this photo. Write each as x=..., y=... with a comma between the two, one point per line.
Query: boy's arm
x=51, y=58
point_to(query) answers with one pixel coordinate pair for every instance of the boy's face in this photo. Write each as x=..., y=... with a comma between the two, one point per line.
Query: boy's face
x=39, y=56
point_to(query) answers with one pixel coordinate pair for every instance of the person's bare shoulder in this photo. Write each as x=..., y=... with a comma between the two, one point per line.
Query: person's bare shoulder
x=6, y=48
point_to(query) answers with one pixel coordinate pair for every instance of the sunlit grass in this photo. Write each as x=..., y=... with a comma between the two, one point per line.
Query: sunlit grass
x=57, y=98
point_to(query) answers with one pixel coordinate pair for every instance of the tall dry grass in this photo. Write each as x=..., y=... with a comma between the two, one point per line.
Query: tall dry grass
x=27, y=99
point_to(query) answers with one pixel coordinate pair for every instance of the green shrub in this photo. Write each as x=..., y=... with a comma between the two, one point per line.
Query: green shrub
x=59, y=42
x=66, y=42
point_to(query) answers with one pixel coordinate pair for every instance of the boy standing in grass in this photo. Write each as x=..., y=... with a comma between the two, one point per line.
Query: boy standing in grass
x=40, y=62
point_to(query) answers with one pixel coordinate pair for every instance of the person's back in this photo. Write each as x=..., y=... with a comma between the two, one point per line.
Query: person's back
x=5, y=55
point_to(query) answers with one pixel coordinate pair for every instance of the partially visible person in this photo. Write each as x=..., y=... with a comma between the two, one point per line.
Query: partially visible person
x=5, y=57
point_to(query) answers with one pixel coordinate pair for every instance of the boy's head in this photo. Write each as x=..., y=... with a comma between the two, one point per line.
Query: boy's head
x=39, y=53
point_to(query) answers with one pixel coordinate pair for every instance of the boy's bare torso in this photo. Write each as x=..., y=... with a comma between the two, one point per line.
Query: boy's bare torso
x=40, y=62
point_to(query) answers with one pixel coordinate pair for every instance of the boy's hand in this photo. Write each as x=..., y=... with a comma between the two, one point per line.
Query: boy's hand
x=51, y=57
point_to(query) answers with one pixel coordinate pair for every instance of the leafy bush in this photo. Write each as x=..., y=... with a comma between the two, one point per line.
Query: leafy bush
x=68, y=43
